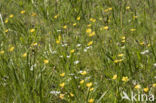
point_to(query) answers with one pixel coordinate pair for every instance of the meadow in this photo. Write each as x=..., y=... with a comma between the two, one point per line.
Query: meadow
x=77, y=51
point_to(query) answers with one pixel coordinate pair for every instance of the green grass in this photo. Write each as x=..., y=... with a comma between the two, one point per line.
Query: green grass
x=28, y=79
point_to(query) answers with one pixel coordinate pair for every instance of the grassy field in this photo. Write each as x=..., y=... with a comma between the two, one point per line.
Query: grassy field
x=77, y=51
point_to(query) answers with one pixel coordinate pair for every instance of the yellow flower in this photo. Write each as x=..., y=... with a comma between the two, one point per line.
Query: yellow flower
x=6, y=30
x=90, y=43
x=125, y=79
x=123, y=37
x=62, y=74
x=82, y=81
x=46, y=61
x=34, y=44
x=114, y=77
x=24, y=55
x=149, y=45
x=127, y=7
x=120, y=55
x=154, y=85
x=78, y=18
x=56, y=16
x=146, y=89
x=84, y=73
x=62, y=85
x=74, y=24
x=132, y=30
x=89, y=84
x=91, y=100
x=23, y=11
x=109, y=9
x=58, y=41
x=89, y=25
x=92, y=34
x=89, y=30
x=72, y=51
x=117, y=61
x=142, y=43
x=61, y=96
x=137, y=86
x=32, y=30
x=105, y=27
x=65, y=26
x=33, y=14
x=71, y=94
x=2, y=52
x=6, y=20
x=11, y=16
x=91, y=89
x=11, y=49
x=123, y=41
x=106, y=10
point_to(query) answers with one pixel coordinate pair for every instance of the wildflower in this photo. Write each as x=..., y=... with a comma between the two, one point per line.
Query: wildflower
x=137, y=86
x=88, y=30
x=90, y=43
x=89, y=25
x=123, y=37
x=55, y=92
x=32, y=30
x=145, y=52
x=117, y=61
x=106, y=10
x=72, y=51
x=34, y=44
x=22, y=12
x=92, y=34
x=125, y=79
x=89, y=84
x=92, y=20
x=2, y=52
x=114, y=77
x=58, y=41
x=56, y=16
x=78, y=45
x=71, y=94
x=91, y=89
x=11, y=16
x=6, y=20
x=62, y=74
x=61, y=96
x=76, y=62
x=82, y=81
x=65, y=26
x=83, y=73
x=127, y=7
x=33, y=14
x=74, y=24
x=11, y=49
x=142, y=43
x=46, y=61
x=62, y=85
x=6, y=30
x=123, y=41
x=109, y=9
x=132, y=30
x=78, y=18
x=105, y=27
x=24, y=55
x=146, y=89
x=154, y=85
x=120, y=55
x=91, y=100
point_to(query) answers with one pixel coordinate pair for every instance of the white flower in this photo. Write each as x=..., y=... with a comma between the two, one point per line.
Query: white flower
x=76, y=62
x=85, y=50
x=58, y=30
x=154, y=64
x=61, y=56
x=145, y=52
x=68, y=56
x=55, y=92
x=78, y=45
